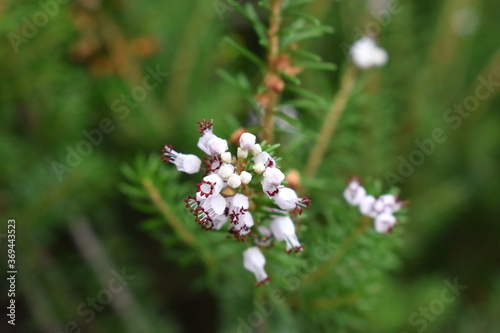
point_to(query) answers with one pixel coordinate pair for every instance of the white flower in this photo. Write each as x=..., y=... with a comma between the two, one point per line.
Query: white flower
x=269, y=189
x=247, y=140
x=246, y=177
x=287, y=199
x=366, y=206
x=243, y=227
x=226, y=157
x=183, y=162
x=256, y=149
x=259, y=168
x=210, y=185
x=283, y=230
x=216, y=146
x=391, y=203
x=234, y=181
x=265, y=159
x=209, y=142
x=242, y=153
x=274, y=176
x=365, y=53
x=226, y=170
x=209, y=212
x=384, y=223
x=238, y=205
x=354, y=192
x=254, y=261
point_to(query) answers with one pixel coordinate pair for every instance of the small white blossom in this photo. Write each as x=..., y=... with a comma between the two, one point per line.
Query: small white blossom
x=287, y=199
x=238, y=205
x=209, y=142
x=246, y=177
x=247, y=140
x=226, y=157
x=384, y=223
x=265, y=159
x=283, y=230
x=226, y=170
x=242, y=153
x=256, y=149
x=217, y=146
x=354, y=192
x=365, y=53
x=254, y=261
x=366, y=206
x=210, y=185
x=274, y=176
x=259, y=168
x=234, y=181
x=187, y=163
x=242, y=228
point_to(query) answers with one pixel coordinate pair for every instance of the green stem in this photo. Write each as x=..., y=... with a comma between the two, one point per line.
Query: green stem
x=330, y=263
x=186, y=236
x=330, y=122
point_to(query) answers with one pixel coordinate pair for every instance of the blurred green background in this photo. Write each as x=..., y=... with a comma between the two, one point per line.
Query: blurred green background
x=67, y=76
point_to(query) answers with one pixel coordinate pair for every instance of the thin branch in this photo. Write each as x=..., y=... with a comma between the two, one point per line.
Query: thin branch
x=169, y=216
x=330, y=123
x=272, y=77
x=335, y=302
x=330, y=263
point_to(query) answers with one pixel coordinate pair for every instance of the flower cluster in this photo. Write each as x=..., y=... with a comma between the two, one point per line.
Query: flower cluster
x=365, y=53
x=232, y=186
x=380, y=208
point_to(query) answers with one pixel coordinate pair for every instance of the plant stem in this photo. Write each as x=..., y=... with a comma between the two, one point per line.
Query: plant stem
x=330, y=263
x=272, y=57
x=186, y=236
x=330, y=123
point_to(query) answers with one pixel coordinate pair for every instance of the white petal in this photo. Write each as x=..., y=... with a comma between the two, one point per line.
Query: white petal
x=247, y=140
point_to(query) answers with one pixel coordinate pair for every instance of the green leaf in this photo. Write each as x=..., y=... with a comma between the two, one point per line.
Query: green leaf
x=245, y=52
x=328, y=66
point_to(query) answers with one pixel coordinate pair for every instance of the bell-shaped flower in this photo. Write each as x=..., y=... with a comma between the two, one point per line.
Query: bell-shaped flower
x=287, y=199
x=209, y=142
x=354, y=192
x=210, y=185
x=283, y=230
x=238, y=205
x=254, y=261
x=187, y=163
x=384, y=223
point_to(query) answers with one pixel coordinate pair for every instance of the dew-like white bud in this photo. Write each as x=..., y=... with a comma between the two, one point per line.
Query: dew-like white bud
x=242, y=153
x=259, y=168
x=265, y=159
x=247, y=140
x=246, y=177
x=226, y=157
x=254, y=261
x=365, y=53
x=226, y=170
x=274, y=176
x=234, y=181
x=256, y=149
